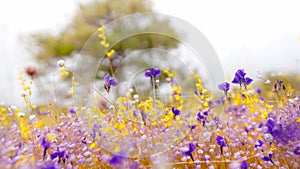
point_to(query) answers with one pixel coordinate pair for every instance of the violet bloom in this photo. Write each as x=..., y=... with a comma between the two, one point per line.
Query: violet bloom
x=144, y=117
x=224, y=86
x=51, y=166
x=282, y=132
x=46, y=145
x=192, y=126
x=135, y=165
x=297, y=150
x=240, y=78
x=117, y=159
x=258, y=91
x=175, y=112
x=72, y=111
x=58, y=154
x=268, y=158
x=244, y=165
x=258, y=144
x=192, y=148
x=220, y=140
x=152, y=73
x=109, y=81
x=201, y=116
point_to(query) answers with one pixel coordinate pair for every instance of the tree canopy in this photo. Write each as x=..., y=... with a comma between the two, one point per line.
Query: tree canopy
x=89, y=17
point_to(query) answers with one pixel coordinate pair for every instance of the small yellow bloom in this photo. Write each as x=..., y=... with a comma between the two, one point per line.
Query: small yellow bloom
x=94, y=145
x=110, y=53
x=50, y=136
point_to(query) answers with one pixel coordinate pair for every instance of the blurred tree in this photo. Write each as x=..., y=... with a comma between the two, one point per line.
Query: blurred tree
x=86, y=21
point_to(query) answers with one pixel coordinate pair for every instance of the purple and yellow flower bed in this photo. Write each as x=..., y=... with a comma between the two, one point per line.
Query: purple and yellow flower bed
x=245, y=127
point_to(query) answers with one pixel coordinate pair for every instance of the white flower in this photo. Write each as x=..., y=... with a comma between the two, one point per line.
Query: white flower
x=21, y=114
x=32, y=117
x=135, y=96
x=267, y=81
x=23, y=93
x=61, y=63
x=268, y=137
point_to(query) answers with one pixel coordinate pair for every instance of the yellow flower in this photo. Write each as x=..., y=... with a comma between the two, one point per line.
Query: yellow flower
x=110, y=53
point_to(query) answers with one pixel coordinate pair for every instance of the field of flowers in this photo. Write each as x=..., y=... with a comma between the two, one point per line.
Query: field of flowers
x=245, y=127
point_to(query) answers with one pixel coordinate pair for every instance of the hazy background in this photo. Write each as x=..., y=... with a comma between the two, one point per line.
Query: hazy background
x=255, y=35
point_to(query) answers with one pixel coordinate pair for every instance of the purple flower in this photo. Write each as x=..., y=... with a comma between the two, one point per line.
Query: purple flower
x=201, y=116
x=46, y=145
x=224, y=86
x=279, y=85
x=117, y=159
x=246, y=129
x=144, y=117
x=220, y=140
x=175, y=112
x=259, y=143
x=258, y=91
x=244, y=165
x=135, y=165
x=268, y=158
x=59, y=154
x=283, y=133
x=109, y=81
x=72, y=111
x=51, y=166
x=152, y=73
x=240, y=78
x=192, y=148
x=297, y=150
x=192, y=126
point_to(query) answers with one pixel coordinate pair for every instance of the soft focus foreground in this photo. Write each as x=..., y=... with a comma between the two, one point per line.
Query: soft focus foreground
x=246, y=127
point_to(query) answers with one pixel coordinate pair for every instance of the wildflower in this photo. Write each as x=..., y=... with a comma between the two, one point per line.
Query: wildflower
x=31, y=71
x=175, y=112
x=206, y=136
x=21, y=114
x=268, y=137
x=192, y=148
x=109, y=81
x=244, y=165
x=153, y=73
x=61, y=63
x=192, y=126
x=144, y=117
x=258, y=91
x=72, y=111
x=268, y=158
x=278, y=85
x=283, y=133
x=46, y=145
x=23, y=93
x=241, y=79
x=110, y=53
x=135, y=165
x=258, y=144
x=117, y=159
x=58, y=154
x=267, y=81
x=297, y=150
x=224, y=86
x=51, y=166
x=220, y=140
x=201, y=116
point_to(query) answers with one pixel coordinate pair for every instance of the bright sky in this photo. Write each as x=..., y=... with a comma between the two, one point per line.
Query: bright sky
x=255, y=35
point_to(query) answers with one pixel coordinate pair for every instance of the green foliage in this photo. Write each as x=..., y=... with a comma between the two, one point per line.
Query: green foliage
x=86, y=21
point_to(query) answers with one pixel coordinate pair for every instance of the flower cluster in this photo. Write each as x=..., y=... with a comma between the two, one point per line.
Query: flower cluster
x=243, y=130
